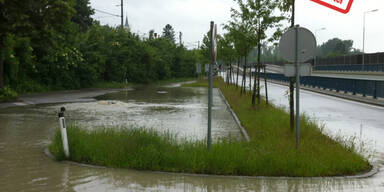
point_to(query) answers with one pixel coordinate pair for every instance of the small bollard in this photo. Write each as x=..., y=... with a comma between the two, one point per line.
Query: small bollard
x=63, y=130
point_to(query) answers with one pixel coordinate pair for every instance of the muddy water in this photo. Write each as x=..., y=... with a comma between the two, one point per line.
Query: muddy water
x=25, y=132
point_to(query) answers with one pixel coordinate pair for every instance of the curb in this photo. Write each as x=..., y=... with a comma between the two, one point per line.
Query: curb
x=348, y=73
x=371, y=173
x=335, y=94
x=242, y=129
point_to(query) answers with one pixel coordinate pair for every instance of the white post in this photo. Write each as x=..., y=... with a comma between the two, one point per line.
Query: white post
x=63, y=129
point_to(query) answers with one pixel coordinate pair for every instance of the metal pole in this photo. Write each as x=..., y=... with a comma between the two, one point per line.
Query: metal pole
x=122, y=16
x=297, y=89
x=363, y=62
x=291, y=82
x=314, y=58
x=210, y=90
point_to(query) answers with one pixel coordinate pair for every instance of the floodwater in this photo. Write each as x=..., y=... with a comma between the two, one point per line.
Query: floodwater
x=25, y=132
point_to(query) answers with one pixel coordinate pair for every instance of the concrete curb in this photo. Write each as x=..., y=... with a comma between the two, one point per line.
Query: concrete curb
x=348, y=73
x=371, y=173
x=337, y=94
x=242, y=129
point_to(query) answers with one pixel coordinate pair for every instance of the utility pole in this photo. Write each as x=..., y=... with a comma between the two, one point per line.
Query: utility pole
x=122, y=16
x=180, y=37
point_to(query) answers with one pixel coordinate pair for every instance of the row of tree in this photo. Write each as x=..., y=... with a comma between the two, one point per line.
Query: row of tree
x=55, y=44
x=247, y=40
x=246, y=30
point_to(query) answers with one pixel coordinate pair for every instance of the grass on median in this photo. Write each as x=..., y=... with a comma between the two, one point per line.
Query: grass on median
x=271, y=151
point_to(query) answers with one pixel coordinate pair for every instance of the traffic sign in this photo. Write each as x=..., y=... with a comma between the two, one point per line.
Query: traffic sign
x=214, y=39
x=198, y=68
x=342, y=6
x=306, y=45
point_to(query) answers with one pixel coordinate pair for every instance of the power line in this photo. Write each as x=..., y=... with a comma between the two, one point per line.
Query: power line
x=107, y=13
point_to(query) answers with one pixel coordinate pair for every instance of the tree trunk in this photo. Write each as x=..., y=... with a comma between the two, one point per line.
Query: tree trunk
x=245, y=73
x=230, y=71
x=1, y=65
x=258, y=69
x=244, y=77
x=250, y=77
x=237, y=76
x=266, y=84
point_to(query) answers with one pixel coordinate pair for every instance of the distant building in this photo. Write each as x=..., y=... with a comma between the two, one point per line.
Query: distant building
x=126, y=25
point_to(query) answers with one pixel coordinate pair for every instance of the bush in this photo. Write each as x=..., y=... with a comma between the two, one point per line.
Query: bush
x=7, y=94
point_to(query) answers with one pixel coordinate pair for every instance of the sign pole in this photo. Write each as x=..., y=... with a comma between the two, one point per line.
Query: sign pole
x=209, y=139
x=297, y=88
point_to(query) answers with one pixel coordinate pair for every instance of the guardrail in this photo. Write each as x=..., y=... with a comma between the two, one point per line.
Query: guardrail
x=352, y=68
x=355, y=86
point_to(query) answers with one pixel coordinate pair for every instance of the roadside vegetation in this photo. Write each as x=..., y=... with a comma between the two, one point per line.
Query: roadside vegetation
x=61, y=47
x=271, y=152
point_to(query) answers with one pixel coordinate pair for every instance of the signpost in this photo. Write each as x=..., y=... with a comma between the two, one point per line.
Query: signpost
x=297, y=45
x=213, y=37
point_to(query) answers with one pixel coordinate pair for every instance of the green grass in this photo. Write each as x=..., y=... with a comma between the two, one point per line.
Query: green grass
x=271, y=152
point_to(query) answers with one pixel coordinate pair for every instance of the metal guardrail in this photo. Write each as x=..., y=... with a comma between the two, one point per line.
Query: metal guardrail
x=355, y=86
x=352, y=68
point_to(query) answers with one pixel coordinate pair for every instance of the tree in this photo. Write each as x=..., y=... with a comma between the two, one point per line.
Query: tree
x=83, y=14
x=335, y=47
x=243, y=32
x=261, y=14
x=227, y=52
x=169, y=33
x=151, y=34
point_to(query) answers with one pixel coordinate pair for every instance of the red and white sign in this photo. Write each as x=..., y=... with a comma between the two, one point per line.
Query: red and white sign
x=342, y=6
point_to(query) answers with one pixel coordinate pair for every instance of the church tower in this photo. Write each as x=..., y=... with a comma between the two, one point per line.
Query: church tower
x=126, y=25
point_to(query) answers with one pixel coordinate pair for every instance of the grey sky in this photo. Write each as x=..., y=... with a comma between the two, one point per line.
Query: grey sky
x=192, y=17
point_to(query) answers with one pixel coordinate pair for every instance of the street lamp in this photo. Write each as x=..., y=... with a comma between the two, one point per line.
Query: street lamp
x=314, y=58
x=364, y=36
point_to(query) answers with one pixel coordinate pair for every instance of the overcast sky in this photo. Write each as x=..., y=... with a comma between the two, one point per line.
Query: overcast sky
x=192, y=18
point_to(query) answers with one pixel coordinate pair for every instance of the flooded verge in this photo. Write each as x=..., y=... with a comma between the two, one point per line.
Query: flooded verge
x=26, y=131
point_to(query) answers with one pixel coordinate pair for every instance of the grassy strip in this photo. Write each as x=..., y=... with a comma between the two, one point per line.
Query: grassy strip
x=149, y=150
x=271, y=151
x=268, y=127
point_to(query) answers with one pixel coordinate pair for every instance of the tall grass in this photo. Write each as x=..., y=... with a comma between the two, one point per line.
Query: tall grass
x=271, y=152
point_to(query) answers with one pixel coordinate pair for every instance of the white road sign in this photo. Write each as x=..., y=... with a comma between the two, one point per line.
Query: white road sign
x=306, y=45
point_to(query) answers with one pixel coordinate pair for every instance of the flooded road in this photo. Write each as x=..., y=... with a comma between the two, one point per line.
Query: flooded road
x=26, y=131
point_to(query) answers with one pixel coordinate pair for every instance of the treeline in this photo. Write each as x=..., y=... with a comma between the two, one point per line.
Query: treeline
x=55, y=44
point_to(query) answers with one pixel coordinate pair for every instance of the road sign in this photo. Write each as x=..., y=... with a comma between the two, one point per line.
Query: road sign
x=198, y=68
x=306, y=45
x=206, y=68
x=342, y=6
x=304, y=70
x=214, y=39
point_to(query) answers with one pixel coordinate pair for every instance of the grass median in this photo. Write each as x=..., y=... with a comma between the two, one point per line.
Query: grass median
x=271, y=152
